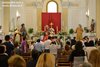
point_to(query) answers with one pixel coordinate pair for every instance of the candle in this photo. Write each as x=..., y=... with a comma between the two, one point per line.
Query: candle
x=57, y=29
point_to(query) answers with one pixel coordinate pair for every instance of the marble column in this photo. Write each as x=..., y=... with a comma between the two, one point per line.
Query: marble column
x=6, y=18
x=98, y=18
x=64, y=20
x=39, y=16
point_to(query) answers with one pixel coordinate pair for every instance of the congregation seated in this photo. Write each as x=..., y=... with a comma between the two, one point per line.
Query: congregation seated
x=3, y=56
x=42, y=59
x=90, y=44
x=86, y=39
x=16, y=61
x=63, y=57
x=69, y=43
x=73, y=41
x=67, y=50
x=89, y=48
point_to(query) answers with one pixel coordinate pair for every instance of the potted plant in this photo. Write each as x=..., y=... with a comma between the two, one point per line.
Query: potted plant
x=30, y=31
x=86, y=29
x=71, y=31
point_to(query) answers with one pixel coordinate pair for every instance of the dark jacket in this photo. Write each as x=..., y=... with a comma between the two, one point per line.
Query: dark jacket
x=32, y=63
x=76, y=53
x=3, y=60
x=9, y=47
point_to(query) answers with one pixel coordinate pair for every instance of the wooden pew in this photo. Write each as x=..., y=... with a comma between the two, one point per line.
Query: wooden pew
x=63, y=61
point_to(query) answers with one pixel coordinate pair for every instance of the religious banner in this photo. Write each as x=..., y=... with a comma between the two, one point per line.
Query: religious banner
x=51, y=21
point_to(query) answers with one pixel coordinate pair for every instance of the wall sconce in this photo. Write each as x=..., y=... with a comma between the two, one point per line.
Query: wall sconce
x=17, y=15
x=88, y=13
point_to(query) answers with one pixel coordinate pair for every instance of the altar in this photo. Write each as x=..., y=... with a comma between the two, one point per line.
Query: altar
x=52, y=21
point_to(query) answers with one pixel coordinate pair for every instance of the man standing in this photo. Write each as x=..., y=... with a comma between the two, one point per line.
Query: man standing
x=38, y=46
x=47, y=44
x=23, y=30
x=9, y=45
x=92, y=25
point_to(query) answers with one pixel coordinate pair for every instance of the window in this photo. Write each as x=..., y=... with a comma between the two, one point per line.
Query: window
x=52, y=7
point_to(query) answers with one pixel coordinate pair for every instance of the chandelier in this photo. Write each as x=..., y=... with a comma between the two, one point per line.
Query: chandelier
x=37, y=3
x=68, y=3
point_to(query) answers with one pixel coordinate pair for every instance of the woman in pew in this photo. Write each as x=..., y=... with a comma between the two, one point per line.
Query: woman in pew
x=67, y=50
x=90, y=44
x=94, y=58
x=46, y=60
x=78, y=52
x=16, y=61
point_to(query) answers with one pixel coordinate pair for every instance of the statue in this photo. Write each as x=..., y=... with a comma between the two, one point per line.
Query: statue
x=23, y=30
x=92, y=26
x=79, y=32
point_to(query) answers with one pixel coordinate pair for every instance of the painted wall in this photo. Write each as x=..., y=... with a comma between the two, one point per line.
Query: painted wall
x=28, y=16
x=71, y=16
x=76, y=14
x=6, y=18
x=1, y=12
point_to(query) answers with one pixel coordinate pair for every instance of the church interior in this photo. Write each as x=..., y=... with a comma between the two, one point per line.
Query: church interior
x=50, y=33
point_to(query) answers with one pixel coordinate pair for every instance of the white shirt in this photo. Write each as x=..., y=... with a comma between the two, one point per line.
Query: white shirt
x=31, y=47
x=88, y=50
x=47, y=44
x=53, y=48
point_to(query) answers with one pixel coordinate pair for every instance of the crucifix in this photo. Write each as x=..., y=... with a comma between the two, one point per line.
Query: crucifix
x=51, y=25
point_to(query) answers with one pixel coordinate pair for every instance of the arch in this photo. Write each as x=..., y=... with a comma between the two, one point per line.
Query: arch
x=52, y=6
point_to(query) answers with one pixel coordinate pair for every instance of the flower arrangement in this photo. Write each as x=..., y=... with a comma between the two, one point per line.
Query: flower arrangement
x=30, y=30
x=62, y=33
